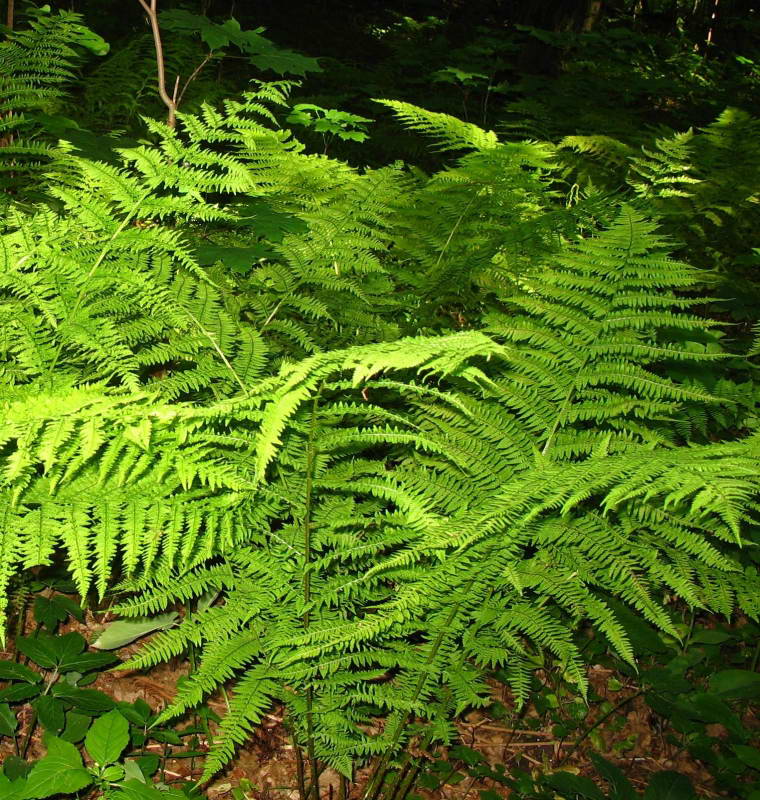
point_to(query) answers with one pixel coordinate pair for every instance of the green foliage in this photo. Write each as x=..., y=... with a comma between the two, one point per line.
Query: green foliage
x=262, y=52
x=122, y=89
x=331, y=121
x=37, y=68
x=703, y=186
x=91, y=741
x=698, y=705
x=227, y=371
x=421, y=497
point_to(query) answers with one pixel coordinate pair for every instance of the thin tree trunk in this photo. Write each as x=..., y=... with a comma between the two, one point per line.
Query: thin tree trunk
x=169, y=101
x=713, y=21
x=593, y=14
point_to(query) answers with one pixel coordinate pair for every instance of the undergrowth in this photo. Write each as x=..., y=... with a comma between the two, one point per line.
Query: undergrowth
x=373, y=434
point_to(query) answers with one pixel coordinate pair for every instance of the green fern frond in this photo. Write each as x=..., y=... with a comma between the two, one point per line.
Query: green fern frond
x=450, y=132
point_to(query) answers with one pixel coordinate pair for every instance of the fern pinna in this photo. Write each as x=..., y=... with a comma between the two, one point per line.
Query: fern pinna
x=381, y=523
x=37, y=66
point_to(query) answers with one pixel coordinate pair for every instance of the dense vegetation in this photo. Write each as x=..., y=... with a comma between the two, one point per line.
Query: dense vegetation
x=407, y=357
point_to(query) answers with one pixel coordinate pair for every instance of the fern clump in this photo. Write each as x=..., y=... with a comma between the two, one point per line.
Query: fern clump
x=593, y=330
x=347, y=508
x=382, y=518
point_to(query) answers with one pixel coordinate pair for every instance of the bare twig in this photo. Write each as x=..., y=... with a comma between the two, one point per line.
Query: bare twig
x=193, y=75
x=518, y=745
x=593, y=727
x=170, y=102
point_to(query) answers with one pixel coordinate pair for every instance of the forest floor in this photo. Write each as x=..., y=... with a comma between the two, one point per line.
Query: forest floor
x=527, y=743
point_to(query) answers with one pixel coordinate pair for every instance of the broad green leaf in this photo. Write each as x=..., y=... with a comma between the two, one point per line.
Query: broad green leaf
x=620, y=787
x=8, y=721
x=91, y=41
x=215, y=38
x=710, y=637
x=19, y=691
x=39, y=649
x=107, y=738
x=266, y=222
x=643, y=636
x=76, y=727
x=73, y=608
x=748, y=755
x=238, y=259
x=571, y=785
x=89, y=701
x=51, y=713
x=139, y=712
x=61, y=771
x=48, y=612
x=86, y=662
x=135, y=790
x=12, y=790
x=113, y=773
x=166, y=735
x=663, y=680
x=148, y=765
x=707, y=707
x=68, y=647
x=15, y=767
x=286, y=62
x=52, y=652
x=124, y=631
x=466, y=754
x=11, y=671
x=669, y=785
x=64, y=653
x=132, y=770
x=736, y=684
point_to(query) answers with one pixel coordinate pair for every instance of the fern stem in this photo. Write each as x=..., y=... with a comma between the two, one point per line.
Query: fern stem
x=406, y=784
x=451, y=234
x=21, y=616
x=755, y=657
x=310, y=457
x=559, y=421
x=400, y=777
x=300, y=775
x=218, y=349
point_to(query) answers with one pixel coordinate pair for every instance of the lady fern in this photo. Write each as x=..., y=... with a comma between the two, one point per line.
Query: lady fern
x=383, y=521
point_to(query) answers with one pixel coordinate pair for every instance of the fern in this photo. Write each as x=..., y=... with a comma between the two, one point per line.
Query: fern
x=385, y=518
x=469, y=229
x=450, y=132
x=593, y=329
x=136, y=307
x=37, y=67
x=472, y=536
